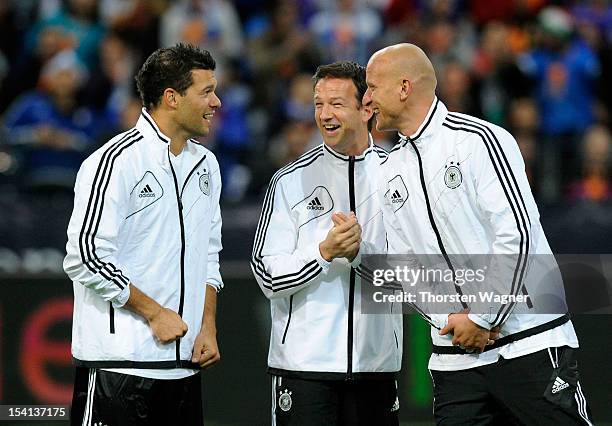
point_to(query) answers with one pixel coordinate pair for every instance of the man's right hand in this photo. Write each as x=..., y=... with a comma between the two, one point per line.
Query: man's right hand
x=466, y=334
x=342, y=240
x=167, y=326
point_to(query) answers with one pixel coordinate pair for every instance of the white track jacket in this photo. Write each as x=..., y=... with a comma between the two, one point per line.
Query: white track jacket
x=317, y=329
x=134, y=222
x=458, y=186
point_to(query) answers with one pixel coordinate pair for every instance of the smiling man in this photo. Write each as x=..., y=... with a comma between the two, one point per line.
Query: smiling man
x=330, y=365
x=469, y=195
x=143, y=254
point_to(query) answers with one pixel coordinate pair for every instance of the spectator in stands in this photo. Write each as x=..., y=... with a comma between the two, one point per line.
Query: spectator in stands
x=456, y=89
x=136, y=21
x=51, y=126
x=298, y=104
x=497, y=74
x=77, y=27
x=346, y=30
x=564, y=69
x=213, y=24
x=594, y=185
x=597, y=13
x=231, y=141
x=439, y=44
x=594, y=24
x=283, y=50
x=25, y=69
x=401, y=20
x=292, y=101
x=444, y=17
x=524, y=124
x=112, y=83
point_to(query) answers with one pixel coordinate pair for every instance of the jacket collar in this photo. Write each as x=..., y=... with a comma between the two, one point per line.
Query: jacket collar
x=148, y=127
x=430, y=125
x=336, y=156
x=161, y=143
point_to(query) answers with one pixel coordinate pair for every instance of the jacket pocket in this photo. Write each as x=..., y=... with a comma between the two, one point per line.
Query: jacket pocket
x=564, y=380
x=288, y=319
x=111, y=318
x=394, y=330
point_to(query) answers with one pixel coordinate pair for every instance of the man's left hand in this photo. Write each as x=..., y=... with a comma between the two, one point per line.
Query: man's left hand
x=466, y=333
x=339, y=218
x=205, y=349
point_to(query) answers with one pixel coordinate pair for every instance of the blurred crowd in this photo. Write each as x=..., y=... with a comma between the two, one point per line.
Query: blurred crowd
x=542, y=69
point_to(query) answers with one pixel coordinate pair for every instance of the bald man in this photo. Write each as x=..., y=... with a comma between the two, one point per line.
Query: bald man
x=456, y=185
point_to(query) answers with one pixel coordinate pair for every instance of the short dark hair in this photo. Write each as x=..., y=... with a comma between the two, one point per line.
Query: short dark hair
x=346, y=70
x=170, y=67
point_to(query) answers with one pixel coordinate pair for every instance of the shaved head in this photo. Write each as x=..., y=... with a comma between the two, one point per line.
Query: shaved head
x=401, y=87
x=406, y=61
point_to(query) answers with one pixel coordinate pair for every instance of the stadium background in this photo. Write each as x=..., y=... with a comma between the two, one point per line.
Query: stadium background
x=540, y=68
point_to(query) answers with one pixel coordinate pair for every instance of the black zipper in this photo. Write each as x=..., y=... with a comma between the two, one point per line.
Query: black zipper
x=432, y=221
x=182, y=225
x=179, y=199
x=349, y=349
x=288, y=318
x=111, y=317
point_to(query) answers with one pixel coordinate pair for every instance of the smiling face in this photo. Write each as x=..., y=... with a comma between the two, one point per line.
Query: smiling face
x=383, y=95
x=196, y=108
x=342, y=120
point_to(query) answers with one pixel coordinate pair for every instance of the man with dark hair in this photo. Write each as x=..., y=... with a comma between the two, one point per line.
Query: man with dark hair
x=143, y=254
x=346, y=70
x=330, y=365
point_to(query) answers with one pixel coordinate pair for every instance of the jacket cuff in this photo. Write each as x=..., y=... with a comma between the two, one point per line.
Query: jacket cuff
x=316, y=254
x=477, y=319
x=121, y=299
x=215, y=284
x=440, y=320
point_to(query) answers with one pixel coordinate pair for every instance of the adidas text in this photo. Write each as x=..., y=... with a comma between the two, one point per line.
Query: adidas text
x=315, y=204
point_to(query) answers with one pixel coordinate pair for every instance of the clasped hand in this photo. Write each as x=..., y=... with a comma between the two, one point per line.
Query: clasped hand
x=467, y=334
x=343, y=239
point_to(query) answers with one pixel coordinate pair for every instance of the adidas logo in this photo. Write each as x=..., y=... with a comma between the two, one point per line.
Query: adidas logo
x=146, y=192
x=559, y=385
x=314, y=204
x=396, y=197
